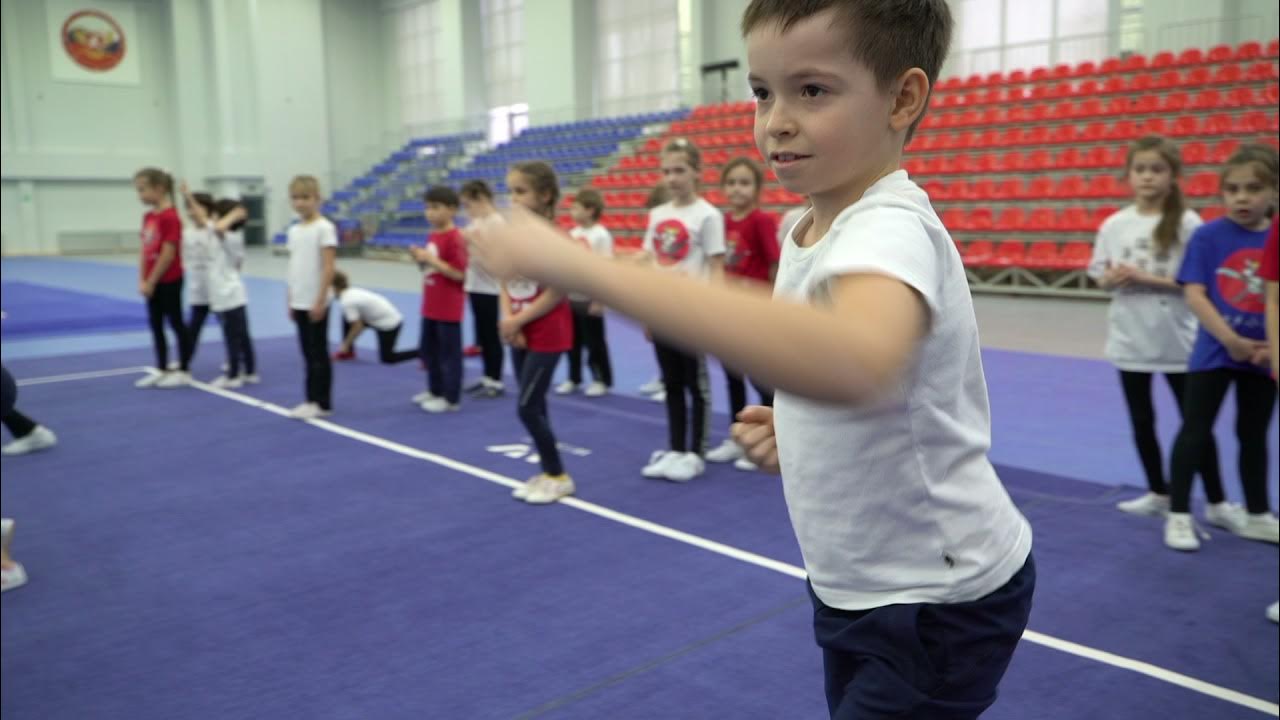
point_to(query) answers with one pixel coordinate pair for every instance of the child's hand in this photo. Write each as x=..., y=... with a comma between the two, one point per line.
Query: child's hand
x=182, y=188
x=1261, y=357
x=595, y=309
x=754, y=432
x=527, y=245
x=1117, y=276
x=1242, y=349
x=519, y=342
x=317, y=311
x=509, y=327
x=145, y=289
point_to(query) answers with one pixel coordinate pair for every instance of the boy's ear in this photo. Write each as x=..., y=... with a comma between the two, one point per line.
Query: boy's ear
x=911, y=95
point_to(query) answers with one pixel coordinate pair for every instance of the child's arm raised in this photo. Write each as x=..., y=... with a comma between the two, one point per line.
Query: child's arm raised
x=847, y=352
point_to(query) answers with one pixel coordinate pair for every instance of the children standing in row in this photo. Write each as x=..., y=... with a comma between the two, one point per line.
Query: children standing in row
x=751, y=257
x=366, y=309
x=1150, y=329
x=444, y=264
x=685, y=236
x=588, y=315
x=1220, y=279
x=313, y=248
x=538, y=325
x=160, y=277
x=483, y=291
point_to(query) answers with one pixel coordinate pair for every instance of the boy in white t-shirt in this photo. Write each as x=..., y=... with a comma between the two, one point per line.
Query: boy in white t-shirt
x=366, y=309
x=313, y=247
x=919, y=562
x=588, y=315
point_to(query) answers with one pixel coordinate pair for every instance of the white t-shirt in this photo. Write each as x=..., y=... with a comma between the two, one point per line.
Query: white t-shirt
x=226, y=290
x=196, y=249
x=369, y=307
x=476, y=279
x=1148, y=329
x=896, y=501
x=789, y=220
x=598, y=240
x=306, y=260
x=684, y=237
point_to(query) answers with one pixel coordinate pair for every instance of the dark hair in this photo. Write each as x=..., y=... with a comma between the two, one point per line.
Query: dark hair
x=543, y=179
x=224, y=207
x=888, y=36
x=591, y=200
x=750, y=165
x=155, y=177
x=1265, y=162
x=1166, y=232
x=691, y=151
x=340, y=281
x=476, y=189
x=204, y=200
x=659, y=195
x=441, y=195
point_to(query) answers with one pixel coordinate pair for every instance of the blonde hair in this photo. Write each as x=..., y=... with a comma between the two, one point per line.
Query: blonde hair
x=305, y=184
x=156, y=178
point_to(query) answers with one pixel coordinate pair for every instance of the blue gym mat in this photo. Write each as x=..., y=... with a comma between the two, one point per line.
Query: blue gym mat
x=33, y=310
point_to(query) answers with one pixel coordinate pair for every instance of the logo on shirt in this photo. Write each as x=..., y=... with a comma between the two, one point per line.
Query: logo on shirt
x=1239, y=284
x=671, y=242
x=737, y=252
x=521, y=289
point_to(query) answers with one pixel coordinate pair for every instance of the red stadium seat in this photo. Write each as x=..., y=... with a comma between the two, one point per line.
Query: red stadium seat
x=1040, y=188
x=1212, y=212
x=1040, y=220
x=1106, y=186
x=1261, y=71
x=1163, y=60
x=1075, y=256
x=1174, y=102
x=1196, y=77
x=1109, y=66
x=1194, y=153
x=1167, y=79
x=1145, y=105
x=1134, y=63
x=1068, y=158
x=1075, y=219
x=1088, y=88
x=1084, y=69
x=1220, y=53
x=1273, y=48
x=1042, y=255
x=1013, y=161
x=1153, y=126
x=1070, y=186
x=1010, y=253
x=1010, y=189
x=1011, y=219
x=1201, y=184
x=1228, y=75
x=1063, y=134
x=1101, y=213
x=978, y=253
x=1190, y=56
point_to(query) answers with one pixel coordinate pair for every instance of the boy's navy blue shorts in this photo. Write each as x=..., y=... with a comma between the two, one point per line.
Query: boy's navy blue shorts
x=921, y=661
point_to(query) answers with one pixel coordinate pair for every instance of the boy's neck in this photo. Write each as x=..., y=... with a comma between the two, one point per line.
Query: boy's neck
x=587, y=224
x=306, y=219
x=444, y=227
x=738, y=213
x=827, y=205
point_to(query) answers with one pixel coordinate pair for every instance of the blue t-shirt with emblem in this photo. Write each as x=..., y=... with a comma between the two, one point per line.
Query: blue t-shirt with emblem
x=1226, y=258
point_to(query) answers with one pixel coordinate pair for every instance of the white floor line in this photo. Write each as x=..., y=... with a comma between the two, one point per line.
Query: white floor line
x=1084, y=651
x=82, y=376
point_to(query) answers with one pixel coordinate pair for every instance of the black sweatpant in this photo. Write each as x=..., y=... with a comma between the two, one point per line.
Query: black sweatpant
x=534, y=369
x=166, y=303
x=387, y=353
x=1255, y=399
x=313, y=337
x=588, y=333
x=685, y=373
x=235, y=333
x=1142, y=416
x=441, y=347
x=738, y=393
x=484, y=311
x=17, y=423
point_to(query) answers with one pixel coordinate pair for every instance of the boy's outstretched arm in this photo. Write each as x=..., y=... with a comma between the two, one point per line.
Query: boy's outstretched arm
x=846, y=353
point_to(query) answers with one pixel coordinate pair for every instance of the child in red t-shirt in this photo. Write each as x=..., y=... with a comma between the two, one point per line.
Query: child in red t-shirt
x=160, y=276
x=444, y=265
x=538, y=324
x=751, y=258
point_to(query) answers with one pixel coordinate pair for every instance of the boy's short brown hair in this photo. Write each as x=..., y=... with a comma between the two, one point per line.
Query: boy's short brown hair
x=305, y=184
x=475, y=190
x=888, y=36
x=441, y=195
x=591, y=200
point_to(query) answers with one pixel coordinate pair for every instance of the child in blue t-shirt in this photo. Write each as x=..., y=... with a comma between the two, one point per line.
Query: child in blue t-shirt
x=1221, y=280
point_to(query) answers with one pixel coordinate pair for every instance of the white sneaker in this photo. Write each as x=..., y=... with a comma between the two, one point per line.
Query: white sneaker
x=550, y=489
x=1263, y=526
x=660, y=396
x=222, y=381
x=13, y=577
x=6, y=529
x=422, y=397
x=1149, y=504
x=686, y=467
x=659, y=461
x=224, y=367
x=39, y=438
x=745, y=465
x=150, y=379
x=1228, y=516
x=653, y=386
x=173, y=365
x=727, y=451
x=174, y=379
x=438, y=405
x=521, y=491
x=596, y=389
x=566, y=388
x=251, y=379
x=308, y=411
x=1273, y=612
x=1180, y=532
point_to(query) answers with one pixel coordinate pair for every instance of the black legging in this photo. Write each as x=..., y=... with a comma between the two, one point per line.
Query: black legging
x=17, y=423
x=484, y=310
x=313, y=337
x=738, y=393
x=681, y=373
x=387, y=352
x=534, y=369
x=1255, y=398
x=588, y=333
x=1142, y=416
x=199, y=313
x=166, y=302
x=235, y=333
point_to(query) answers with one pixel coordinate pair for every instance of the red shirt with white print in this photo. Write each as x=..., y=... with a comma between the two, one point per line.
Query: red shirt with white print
x=443, y=298
x=161, y=227
x=553, y=332
x=751, y=245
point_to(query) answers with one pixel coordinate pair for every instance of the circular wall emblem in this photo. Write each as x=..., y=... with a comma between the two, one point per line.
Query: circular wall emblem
x=94, y=40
